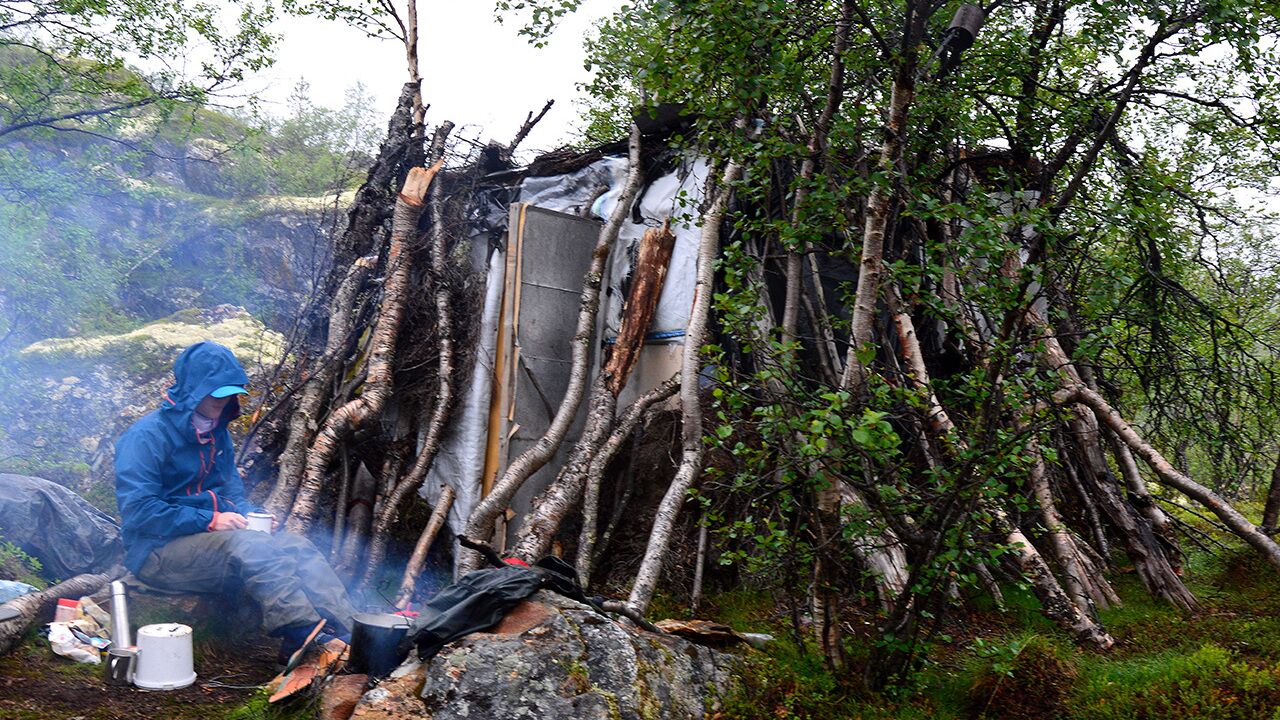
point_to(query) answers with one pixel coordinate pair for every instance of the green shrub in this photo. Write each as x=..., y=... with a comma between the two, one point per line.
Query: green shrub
x=786, y=684
x=1208, y=684
x=1025, y=677
x=17, y=565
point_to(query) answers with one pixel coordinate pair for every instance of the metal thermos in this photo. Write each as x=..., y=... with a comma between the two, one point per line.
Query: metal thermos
x=120, y=637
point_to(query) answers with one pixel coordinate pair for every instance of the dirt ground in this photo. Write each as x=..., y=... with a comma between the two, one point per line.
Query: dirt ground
x=35, y=684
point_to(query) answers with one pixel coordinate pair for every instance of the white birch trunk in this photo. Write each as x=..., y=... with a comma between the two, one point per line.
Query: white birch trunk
x=655, y=552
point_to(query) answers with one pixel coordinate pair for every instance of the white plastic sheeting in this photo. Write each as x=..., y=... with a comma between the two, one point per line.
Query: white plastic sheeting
x=675, y=195
x=460, y=461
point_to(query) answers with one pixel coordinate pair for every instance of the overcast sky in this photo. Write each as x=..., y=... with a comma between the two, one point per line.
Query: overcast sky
x=477, y=73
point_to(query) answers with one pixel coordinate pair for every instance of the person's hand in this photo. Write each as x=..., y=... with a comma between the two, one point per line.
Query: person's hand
x=229, y=521
x=275, y=523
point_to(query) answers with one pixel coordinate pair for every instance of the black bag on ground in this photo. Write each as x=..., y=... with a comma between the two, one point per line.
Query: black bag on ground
x=57, y=527
x=478, y=600
x=559, y=576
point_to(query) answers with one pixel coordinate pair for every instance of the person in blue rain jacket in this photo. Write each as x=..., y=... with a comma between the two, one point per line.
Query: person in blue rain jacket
x=183, y=507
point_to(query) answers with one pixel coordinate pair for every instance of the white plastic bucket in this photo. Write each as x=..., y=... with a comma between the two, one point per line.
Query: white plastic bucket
x=164, y=657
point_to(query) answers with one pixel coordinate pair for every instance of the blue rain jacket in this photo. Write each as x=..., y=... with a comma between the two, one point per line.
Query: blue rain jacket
x=170, y=480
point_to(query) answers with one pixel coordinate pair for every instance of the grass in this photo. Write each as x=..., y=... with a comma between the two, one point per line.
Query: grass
x=257, y=708
x=1221, y=662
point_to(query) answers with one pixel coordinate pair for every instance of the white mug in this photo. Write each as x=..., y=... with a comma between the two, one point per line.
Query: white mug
x=260, y=521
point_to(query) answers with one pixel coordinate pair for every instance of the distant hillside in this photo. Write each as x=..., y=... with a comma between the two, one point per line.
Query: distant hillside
x=177, y=208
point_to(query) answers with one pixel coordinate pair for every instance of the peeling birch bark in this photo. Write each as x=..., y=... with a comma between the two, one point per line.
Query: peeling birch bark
x=649, y=276
x=1077, y=580
x=343, y=420
x=655, y=551
x=483, y=518
x=871, y=264
x=1054, y=603
x=394, y=499
x=885, y=557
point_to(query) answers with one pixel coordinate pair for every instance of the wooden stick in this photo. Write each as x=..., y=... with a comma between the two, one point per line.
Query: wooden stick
x=655, y=552
x=414, y=567
x=695, y=598
x=1227, y=514
x=622, y=430
x=343, y=420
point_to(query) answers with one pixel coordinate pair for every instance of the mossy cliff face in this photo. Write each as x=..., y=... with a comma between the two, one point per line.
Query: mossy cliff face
x=69, y=398
x=188, y=250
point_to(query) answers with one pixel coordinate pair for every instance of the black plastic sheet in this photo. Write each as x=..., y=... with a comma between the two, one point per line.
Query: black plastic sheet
x=57, y=527
x=478, y=600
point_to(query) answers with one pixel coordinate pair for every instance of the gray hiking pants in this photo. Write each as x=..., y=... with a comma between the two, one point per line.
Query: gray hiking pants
x=284, y=573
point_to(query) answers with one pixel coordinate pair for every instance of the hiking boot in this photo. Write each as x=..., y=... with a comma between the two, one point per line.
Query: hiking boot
x=297, y=638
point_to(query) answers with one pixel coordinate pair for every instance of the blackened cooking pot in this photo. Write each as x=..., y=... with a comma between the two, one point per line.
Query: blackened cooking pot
x=374, y=637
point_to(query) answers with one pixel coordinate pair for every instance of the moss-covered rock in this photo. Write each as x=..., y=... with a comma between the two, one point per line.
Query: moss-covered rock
x=72, y=397
x=151, y=348
x=552, y=657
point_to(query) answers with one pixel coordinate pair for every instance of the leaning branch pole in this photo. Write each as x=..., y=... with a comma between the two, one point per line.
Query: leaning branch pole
x=342, y=421
x=1170, y=476
x=655, y=551
x=485, y=515
x=409, y=485
x=419, y=558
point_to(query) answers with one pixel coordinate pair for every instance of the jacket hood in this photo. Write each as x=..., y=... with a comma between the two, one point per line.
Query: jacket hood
x=199, y=370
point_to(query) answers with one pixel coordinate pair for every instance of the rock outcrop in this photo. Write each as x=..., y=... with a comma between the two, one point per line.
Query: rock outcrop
x=552, y=657
x=78, y=394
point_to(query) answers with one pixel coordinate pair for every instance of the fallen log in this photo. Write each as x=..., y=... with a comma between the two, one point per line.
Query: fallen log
x=30, y=606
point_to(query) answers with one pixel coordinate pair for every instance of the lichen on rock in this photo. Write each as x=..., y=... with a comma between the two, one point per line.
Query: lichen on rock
x=556, y=658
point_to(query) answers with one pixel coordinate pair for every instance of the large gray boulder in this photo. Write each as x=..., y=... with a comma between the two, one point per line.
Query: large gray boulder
x=552, y=657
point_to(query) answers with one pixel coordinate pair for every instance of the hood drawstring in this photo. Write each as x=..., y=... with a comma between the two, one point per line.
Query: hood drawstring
x=206, y=462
